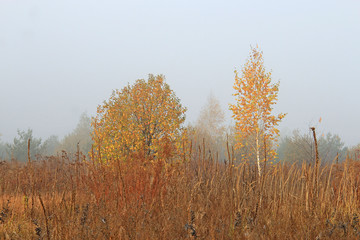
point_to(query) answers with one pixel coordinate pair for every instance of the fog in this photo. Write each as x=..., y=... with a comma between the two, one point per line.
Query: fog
x=59, y=59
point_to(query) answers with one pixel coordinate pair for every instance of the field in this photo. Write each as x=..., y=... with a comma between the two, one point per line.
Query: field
x=70, y=197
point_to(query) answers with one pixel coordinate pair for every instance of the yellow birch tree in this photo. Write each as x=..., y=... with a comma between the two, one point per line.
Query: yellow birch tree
x=143, y=120
x=255, y=96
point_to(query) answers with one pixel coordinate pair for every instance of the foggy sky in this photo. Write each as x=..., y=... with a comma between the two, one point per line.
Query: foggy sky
x=61, y=58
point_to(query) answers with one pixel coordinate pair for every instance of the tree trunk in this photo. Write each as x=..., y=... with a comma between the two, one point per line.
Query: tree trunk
x=258, y=153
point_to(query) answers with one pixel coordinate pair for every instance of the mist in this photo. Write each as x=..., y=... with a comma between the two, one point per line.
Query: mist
x=59, y=59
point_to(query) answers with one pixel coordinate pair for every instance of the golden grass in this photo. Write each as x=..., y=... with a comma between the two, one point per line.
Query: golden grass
x=56, y=198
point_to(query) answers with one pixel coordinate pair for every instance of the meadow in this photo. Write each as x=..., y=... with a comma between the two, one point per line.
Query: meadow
x=196, y=197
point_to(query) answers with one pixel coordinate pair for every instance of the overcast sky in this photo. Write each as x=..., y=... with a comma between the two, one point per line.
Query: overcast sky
x=61, y=58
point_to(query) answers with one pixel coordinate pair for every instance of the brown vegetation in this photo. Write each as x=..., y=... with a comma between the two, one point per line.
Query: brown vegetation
x=68, y=197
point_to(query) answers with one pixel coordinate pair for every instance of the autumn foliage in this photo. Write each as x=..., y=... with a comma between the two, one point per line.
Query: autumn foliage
x=141, y=120
x=127, y=187
x=255, y=97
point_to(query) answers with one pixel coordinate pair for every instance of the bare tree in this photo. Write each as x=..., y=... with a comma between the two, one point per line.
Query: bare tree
x=212, y=118
x=210, y=127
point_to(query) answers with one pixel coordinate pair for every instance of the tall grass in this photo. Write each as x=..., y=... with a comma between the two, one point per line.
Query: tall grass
x=68, y=197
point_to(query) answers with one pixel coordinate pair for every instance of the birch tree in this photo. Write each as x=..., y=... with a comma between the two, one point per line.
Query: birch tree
x=255, y=96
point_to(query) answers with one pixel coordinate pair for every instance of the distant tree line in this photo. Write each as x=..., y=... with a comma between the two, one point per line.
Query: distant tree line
x=300, y=147
x=209, y=129
x=18, y=149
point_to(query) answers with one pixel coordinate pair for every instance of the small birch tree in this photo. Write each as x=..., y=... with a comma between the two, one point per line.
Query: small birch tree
x=255, y=97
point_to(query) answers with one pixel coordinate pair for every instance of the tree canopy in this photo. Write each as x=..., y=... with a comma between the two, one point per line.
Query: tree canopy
x=141, y=120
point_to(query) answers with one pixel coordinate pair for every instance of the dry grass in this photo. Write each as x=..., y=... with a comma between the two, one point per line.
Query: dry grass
x=57, y=198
